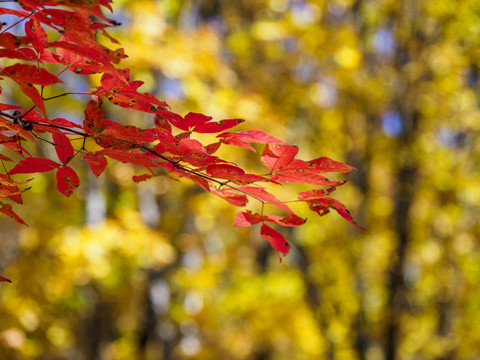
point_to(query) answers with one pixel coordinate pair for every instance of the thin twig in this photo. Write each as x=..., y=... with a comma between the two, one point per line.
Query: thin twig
x=6, y=115
x=18, y=22
x=180, y=167
x=40, y=138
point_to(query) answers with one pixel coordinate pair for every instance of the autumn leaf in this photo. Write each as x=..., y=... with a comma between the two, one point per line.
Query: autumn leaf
x=245, y=138
x=143, y=177
x=289, y=220
x=232, y=197
x=5, y=158
x=3, y=279
x=23, y=73
x=7, y=210
x=325, y=164
x=266, y=197
x=318, y=192
x=93, y=115
x=214, y=127
x=175, y=119
x=21, y=54
x=33, y=165
x=29, y=90
x=133, y=133
x=225, y=171
x=67, y=180
x=246, y=218
x=96, y=162
x=34, y=29
x=63, y=147
x=278, y=156
x=195, y=119
x=276, y=240
x=323, y=205
x=304, y=176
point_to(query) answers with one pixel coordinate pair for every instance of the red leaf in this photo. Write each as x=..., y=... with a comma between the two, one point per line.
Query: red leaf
x=33, y=165
x=7, y=210
x=114, y=81
x=63, y=122
x=304, y=177
x=214, y=127
x=132, y=100
x=16, y=148
x=93, y=115
x=21, y=54
x=212, y=148
x=325, y=164
x=17, y=198
x=200, y=181
x=231, y=197
x=224, y=171
x=195, y=119
x=67, y=57
x=278, y=156
x=23, y=73
x=176, y=120
x=18, y=13
x=49, y=57
x=289, y=220
x=129, y=132
x=251, y=178
x=34, y=29
x=265, y=196
x=109, y=141
x=120, y=92
x=67, y=180
x=245, y=138
x=63, y=147
x=322, y=207
x=97, y=163
x=246, y=218
x=4, y=279
x=10, y=41
x=4, y=107
x=135, y=158
x=276, y=240
x=143, y=177
x=193, y=152
x=318, y=192
x=29, y=90
x=162, y=124
x=5, y=158
x=186, y=146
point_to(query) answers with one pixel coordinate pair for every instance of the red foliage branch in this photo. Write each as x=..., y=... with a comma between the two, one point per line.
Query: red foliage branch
x=160, y=149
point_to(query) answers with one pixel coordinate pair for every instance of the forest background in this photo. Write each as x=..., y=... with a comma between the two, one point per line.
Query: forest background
x=156, y=271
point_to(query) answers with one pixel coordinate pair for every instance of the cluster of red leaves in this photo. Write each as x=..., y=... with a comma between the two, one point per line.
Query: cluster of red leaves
x=168, y=147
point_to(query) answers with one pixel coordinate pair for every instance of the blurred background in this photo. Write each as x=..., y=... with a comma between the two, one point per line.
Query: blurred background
x=156, y=271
